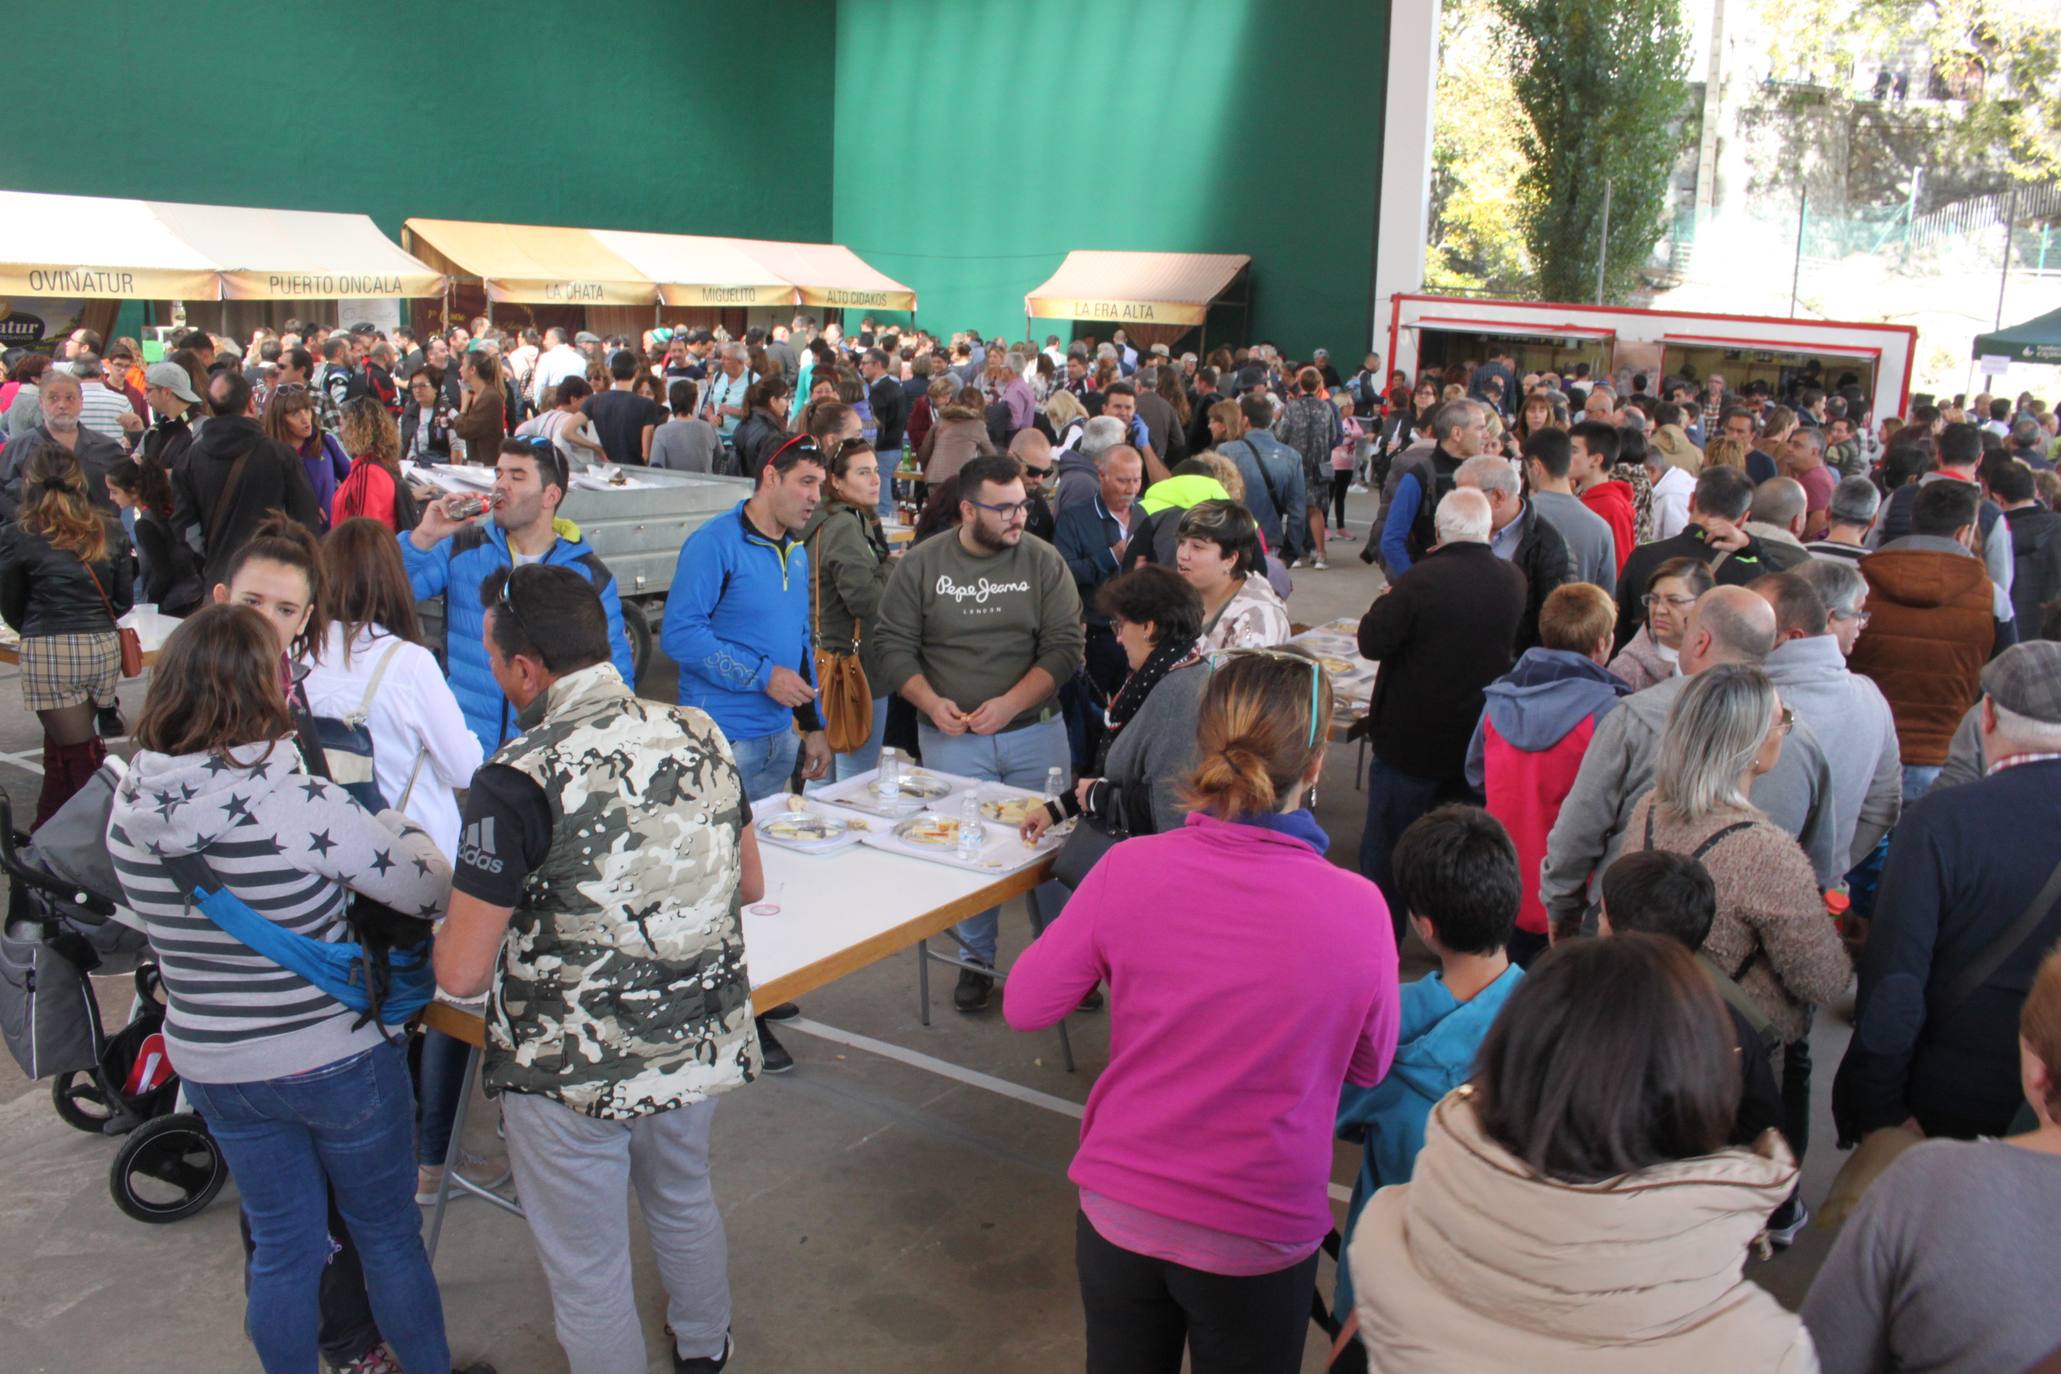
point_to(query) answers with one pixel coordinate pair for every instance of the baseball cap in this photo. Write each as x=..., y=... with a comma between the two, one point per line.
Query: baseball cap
x=2026, y=678
x=172, y=378
x=583, y=337
x=1162, y=350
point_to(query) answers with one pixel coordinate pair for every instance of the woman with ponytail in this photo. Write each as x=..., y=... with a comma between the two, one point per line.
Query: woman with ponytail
x=167, y=570
x=1249, y=979
x=65, y=579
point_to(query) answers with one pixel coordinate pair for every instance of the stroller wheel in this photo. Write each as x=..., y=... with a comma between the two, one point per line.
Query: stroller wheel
x=167, y=1169
x=80, y=1102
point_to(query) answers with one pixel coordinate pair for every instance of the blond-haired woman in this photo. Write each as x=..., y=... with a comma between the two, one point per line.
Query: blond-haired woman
x=374, y=487
x=1257, y=980
x=65, y=579
x=1771, y=936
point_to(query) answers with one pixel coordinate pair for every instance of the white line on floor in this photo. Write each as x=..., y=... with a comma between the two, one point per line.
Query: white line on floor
x=22, y=760
x=973, y=1078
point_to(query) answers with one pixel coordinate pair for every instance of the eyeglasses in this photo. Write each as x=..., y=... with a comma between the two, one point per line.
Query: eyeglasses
x=1008, y=510
x=1860, y=618
x=1036, y=474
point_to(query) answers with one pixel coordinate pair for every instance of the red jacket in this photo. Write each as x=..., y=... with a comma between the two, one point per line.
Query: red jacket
x=1535, y=726
x=1613, y=501
x=1524, y=793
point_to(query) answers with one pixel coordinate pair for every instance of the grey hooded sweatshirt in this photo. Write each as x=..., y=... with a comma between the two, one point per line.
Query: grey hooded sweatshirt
x=1618, y=769
x=289, y=845
x=1852, y=721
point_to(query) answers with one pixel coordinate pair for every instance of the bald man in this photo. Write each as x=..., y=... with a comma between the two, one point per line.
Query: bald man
x=1726, y=625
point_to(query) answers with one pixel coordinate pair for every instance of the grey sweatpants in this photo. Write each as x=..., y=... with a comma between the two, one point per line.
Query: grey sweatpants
x=574, y=1175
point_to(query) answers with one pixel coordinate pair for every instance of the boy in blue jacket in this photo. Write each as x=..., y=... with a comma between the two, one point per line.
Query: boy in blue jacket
x=1456, y=871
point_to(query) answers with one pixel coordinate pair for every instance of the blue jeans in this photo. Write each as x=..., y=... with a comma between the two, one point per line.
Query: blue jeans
x=1394, y=800
x=1020, y=758
x=863, y=759
x=767, y=763
x=889, y=459
x=1918, y=780
x=289, y=1142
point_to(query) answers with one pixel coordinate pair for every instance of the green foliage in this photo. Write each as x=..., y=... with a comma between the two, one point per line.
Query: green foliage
x=2015, y=120
x=1476, y=243
x=1602, y=87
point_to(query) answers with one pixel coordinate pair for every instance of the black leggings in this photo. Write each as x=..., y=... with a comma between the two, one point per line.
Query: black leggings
x=1339, y=482
x=1142, y=1311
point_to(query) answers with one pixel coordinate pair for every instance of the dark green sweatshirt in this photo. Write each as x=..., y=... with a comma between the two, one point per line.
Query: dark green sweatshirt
x=974, y=626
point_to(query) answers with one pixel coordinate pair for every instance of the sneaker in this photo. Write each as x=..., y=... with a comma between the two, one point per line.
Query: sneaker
x=377, y=1360
x=703, y=1364
x=973, y=991
x=107, y=721
x=474, y=1169
x=1092, y=1002
x=773, y=1054
x=1782, y=1233
x=1318, y=565
x=786, y=1011
x=1347, y=535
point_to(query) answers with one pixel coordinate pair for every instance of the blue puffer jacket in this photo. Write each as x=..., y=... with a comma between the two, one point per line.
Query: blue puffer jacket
x=454, y=568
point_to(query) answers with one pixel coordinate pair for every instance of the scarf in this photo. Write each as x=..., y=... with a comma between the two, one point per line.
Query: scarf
x=1164, y=658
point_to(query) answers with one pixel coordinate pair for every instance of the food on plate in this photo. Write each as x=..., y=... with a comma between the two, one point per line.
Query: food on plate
x=802, y=827
x=1338, y=667
x=932, y=832
x=919, y=785
x=1011, y=810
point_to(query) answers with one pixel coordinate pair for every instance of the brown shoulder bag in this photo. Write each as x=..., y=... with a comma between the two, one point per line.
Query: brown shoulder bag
x=843, y=693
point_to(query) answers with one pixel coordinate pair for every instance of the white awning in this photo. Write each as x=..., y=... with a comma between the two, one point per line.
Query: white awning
x=104, y=247
x=1135, y=288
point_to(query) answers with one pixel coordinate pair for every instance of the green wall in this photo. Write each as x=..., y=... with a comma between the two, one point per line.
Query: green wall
x=628, y=114
x=979, y=140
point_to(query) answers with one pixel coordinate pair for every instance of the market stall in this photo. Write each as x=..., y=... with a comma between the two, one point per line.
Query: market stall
x=622, y=280
x=1153, y=297
x=72, y=249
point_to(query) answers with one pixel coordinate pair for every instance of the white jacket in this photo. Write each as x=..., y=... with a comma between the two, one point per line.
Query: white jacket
x=413, y=713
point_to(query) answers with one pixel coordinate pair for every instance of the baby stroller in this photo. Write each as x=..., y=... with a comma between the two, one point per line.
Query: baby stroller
x=64, y=923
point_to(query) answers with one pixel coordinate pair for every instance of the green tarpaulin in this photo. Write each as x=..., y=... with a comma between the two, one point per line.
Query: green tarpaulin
x=2035, y=341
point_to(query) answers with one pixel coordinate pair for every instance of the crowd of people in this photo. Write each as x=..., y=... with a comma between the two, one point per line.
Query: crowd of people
x=1762, y=688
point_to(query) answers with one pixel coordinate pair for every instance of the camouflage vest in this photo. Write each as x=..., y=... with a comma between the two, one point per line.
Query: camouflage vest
x=622, y=988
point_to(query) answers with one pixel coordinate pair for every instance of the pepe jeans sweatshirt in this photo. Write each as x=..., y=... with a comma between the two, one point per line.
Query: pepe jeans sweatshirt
x=973, y=625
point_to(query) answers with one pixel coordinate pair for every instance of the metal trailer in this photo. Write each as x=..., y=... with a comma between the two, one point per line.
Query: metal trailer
x=637, y=532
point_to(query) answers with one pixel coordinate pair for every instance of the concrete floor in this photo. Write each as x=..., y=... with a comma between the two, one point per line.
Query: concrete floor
x=897, y=1203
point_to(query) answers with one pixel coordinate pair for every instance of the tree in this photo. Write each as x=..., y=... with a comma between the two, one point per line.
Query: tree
x=1475, y=241
x=2001, y=58
x=1602, y=84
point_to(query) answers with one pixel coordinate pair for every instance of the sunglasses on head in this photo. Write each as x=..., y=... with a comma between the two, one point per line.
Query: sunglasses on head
x=1220, y=658
x=542, y=449
x=505, y=599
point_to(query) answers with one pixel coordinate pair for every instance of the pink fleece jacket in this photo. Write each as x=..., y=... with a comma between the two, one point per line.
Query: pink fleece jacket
x=1248, y=978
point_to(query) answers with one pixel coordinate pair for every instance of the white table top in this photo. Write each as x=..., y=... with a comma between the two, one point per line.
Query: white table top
x=833, y=905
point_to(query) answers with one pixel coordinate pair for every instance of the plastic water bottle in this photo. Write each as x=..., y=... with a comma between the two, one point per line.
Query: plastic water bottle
x=889, y=783
x=1055, y=783
x=972, y=835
